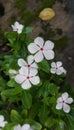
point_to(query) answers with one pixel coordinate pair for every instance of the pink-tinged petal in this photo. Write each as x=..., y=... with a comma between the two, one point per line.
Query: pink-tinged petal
x=53, y=64
x=26, y=127
x=48, y=45
x=59, y=100
x=66, y=108
x=49, y=54
x=59, y=71
x=53, y=70
x=65, y=95
x=33, y=72
x=39, y=41
x=30, y=59
x=35, y=80
x=23, y=71
x=59, y=106
x=1, y=118
x=38, y=57
x=21, y=62
x=18, y=127
x=26, y=84
x=69, y=100
x=58, y=63
x=34, y=65
x=19, y=78
x=33, y=48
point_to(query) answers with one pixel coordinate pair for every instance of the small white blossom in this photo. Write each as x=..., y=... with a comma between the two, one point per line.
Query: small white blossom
x=56, y=68
x=2, y=122
x=24, y=127
x=41, y=49
x=27, y=77
x=63, y=101
x=17, y=27
x=30, y=64
x=13, y=73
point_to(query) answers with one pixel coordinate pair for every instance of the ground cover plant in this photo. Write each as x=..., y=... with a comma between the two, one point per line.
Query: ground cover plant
x=34, y=94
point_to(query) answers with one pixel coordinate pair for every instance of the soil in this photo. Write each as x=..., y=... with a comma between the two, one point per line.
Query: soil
x=63, y=20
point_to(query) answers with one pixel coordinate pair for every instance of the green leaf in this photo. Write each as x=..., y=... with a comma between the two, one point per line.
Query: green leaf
x=11, y=92
x=15, y=117
x=44, y=66
x=11, y=36
x=60, y=125
x=43, y=114
x=50, y=122
x=53, y=89
x=28, y=30
x=8, y=126
x=2, y=84
x=44, y=90
x=26, y=99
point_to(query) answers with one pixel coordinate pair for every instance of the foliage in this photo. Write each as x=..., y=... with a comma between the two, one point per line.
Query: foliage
x=37, y=105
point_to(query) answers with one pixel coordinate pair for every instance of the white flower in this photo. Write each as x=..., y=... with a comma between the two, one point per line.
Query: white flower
x=24, y=127
x=27, y=77
x=30, y=64
x=63, y=101
x=2, y=122
x=17, y=27
x=56, y=68
x=41, y=49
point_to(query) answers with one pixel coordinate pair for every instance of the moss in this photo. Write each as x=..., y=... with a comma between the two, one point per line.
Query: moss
x=20, y=4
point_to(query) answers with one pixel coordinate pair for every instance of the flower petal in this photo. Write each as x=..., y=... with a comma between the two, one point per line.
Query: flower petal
x=65, y=95
x=39, y=41
x=59, y=100
x=11, y=71
x=59, y=106
x=26, y=84
x=38, y=56
x=34, y=65
x=58, y=63
x=53, y=70
x=18, y=127
x=1, y=118
x=33, y=72
x=53, y=64
x=23, y=71
x=2, y=124
x=69, y=100
x=19, y=78
x=35, y=80
x=25, y=127
x=33, y=48
x=21, y=62
x=49, y=54
x=59, y=71
x=48, y=45
x=30, y=59
x=66, y=108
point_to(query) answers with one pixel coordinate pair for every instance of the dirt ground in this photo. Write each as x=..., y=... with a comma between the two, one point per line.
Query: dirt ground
x=62, y=20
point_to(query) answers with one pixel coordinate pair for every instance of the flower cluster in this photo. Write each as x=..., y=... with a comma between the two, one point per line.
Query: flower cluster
x=27, y=75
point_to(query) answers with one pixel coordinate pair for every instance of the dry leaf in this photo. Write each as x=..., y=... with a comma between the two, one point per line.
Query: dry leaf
x=47, y=14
